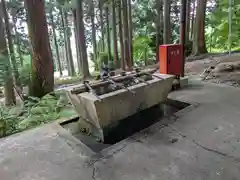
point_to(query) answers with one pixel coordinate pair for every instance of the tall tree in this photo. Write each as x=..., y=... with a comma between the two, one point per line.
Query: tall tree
x=199, y=45
x=130, y=32
x=65, y=40
x=17, y=40
x=167, y=24
x=115, y=40
x=55, y=42
x=79, y=63
x=10, y=45
x=10, y=98
x=42, y=61
x=126, y=33
x=120, y=31
x=14, y=10
x=81, y=39
x=68, y=43
x=94, y=41
x=158, y=26
x=183, y=31
x=193, y=18
x=100, y=4
x=108, y=32
x=188, y=21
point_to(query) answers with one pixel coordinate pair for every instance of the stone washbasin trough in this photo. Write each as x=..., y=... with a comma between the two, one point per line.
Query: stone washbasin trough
x=104, y=103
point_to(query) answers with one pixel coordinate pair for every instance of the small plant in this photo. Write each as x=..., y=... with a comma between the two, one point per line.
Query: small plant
x=8, y=120
x=103, y=58
x=35, y=112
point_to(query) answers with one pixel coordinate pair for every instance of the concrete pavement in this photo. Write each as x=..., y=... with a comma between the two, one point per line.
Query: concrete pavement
x=202, y=142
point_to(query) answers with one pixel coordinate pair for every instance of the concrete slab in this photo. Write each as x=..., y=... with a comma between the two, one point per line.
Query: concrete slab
x=215, y=123
x=44, y=153
x=120, y=104
x=201, y=143
x=183, y=82
x=165, y=155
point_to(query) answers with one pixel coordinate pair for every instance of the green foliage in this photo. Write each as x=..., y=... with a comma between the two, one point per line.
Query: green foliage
x=8, y=120
x=18, y=14
x=44, y=111
x=35, y=112
x=25, y=74
x=217, y=27
x=95, y=62
x=142, y=51
x=103, y=58
x=4, y=65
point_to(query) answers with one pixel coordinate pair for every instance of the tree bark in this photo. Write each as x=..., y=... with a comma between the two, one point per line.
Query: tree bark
x=17, y=35
x=193, y=18
x=188, y=20
x=158, y=27
x=77, y=43
x=10, y=98
x=102, y=24
x=120, y=31
x=17, y=40
x=82, y=40
x=108, y=33
x=115, y=40
x=183, y=33
x=125, y=31
x=68, y=44
x=130, y=32
x=42, y=61
x=94, y=41
x=167, y=23
x=56, y=43
x=65, y=41
x=10, y=45
x=199, y=46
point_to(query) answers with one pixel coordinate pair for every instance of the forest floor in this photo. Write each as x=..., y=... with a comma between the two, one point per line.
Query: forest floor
x=223, y=69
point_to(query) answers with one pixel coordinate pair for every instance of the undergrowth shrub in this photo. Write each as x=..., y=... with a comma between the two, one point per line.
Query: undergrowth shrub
x=34, y=112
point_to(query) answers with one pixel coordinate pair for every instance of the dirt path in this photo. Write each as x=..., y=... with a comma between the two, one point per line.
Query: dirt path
x=219, y=69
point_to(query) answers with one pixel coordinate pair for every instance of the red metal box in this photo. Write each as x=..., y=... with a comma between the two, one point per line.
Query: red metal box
x=170, y=57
